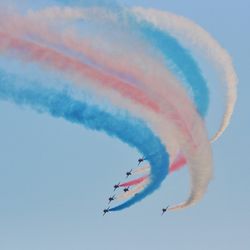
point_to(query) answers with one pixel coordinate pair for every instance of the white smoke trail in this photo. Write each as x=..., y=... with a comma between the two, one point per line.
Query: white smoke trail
x=141, y=170
x=69, y=13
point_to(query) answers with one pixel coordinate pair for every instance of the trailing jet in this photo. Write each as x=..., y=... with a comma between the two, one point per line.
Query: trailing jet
x=126, y=189
x=164, y=210
x=106, y=211
x=111, y=198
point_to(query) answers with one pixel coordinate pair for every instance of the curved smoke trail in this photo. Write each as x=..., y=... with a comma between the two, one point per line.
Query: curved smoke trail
x=189, y=31
x=178, y=59
x=60, y=104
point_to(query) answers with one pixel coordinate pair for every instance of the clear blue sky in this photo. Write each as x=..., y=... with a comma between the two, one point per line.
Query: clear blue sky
x=55, y=177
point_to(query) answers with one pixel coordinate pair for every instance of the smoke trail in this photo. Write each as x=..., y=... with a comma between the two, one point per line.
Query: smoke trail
x=179, y=162
x=59, y=104
x=62, y=62
x=141, y=170
x=179, y=59
x=134, y=182
x=199, y=39
x=133, y=192
x=103, y=81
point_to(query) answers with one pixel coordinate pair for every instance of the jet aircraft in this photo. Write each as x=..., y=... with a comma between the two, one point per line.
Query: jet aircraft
x=116, y=186
x=111, y=198
x=164, y=210
x=129, y=173
x=106, y=211
x=140, y=160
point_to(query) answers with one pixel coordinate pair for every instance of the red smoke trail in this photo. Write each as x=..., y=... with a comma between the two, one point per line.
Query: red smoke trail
x=177, y=164
x=134, y=182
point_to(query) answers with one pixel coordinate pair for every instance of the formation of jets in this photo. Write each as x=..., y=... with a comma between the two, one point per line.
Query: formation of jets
x=126, y=189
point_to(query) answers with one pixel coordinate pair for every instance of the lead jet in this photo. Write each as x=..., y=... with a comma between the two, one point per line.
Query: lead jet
x=164, y=210
x=106, y=211
x=129, y=173
x=111, y=198
x=116, y=186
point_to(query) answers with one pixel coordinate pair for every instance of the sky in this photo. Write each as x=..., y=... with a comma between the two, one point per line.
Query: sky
x=55, y=177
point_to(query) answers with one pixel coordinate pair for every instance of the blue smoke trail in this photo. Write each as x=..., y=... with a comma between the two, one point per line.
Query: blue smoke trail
x=60, y=104
x=180, y=61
